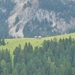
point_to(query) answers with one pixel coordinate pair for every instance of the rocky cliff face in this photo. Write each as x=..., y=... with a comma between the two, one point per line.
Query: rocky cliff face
x=24, y=11
x=41, y=17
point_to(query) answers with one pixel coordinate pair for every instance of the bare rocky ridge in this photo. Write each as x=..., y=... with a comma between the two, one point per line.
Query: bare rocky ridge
x=31, y=12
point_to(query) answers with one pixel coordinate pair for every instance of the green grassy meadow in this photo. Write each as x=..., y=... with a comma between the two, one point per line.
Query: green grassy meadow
x=12, y=43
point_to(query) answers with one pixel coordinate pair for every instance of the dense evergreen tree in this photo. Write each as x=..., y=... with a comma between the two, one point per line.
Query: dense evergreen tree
x=2, y=42
x=14, y=72
x=16, y=53
x=53, y=58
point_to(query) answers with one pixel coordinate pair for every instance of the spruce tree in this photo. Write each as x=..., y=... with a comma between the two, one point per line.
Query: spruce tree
x=3, y=42
x=0, y=41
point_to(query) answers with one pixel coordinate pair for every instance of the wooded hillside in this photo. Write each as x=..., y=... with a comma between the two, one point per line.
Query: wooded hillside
x=53, y=58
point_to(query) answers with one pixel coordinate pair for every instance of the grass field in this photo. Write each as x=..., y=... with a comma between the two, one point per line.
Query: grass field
x=12, y=43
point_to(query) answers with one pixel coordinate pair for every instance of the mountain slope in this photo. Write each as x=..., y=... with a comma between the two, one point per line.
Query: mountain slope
x=6, y=7
x=41, y=17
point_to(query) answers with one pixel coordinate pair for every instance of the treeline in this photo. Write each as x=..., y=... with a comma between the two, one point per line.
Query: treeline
x=53, y=58
x=2, y=42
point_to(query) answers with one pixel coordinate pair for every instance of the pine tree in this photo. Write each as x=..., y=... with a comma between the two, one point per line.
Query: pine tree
x=14, y=72
x=0, y=41
x=3, y=42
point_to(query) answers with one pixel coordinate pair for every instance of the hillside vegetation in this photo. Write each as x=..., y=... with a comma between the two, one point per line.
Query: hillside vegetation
x=54, y=57
x=27, y=18
x=12, y=43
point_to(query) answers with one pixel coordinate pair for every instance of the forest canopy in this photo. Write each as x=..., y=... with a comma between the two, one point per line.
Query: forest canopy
x=53, y=58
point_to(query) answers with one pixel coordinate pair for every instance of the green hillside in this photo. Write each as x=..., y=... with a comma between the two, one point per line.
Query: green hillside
x=12, y=43
x=54, y=57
